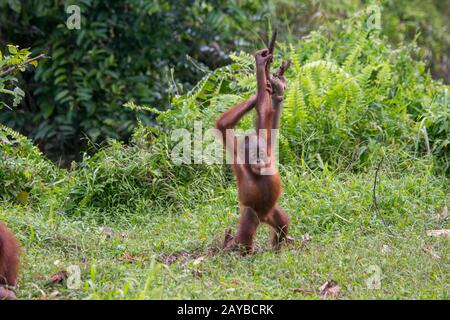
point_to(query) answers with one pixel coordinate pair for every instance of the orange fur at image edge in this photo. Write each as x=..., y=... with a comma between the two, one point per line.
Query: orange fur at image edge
x=9, y=262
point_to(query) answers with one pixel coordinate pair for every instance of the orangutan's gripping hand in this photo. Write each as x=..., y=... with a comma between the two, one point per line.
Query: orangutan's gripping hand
x=278, y=80
x=262, y=57
x=278, y=85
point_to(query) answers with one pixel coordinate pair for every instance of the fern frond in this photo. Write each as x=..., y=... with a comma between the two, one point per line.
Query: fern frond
x=351, y=62
x=295, y=61
x=308, y=82
x=243, y=59
x=363, y=77
x=327, y=65
x=294, y=105
x=13, y=134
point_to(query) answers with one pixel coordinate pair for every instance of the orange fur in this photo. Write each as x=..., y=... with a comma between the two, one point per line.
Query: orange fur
x=9, y=261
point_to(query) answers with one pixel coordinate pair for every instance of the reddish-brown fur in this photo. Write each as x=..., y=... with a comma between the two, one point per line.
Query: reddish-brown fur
x=9, y=262
x=258, y=194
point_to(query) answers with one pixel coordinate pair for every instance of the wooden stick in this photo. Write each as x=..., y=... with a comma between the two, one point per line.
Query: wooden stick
x=271, y=45
x=284, y=66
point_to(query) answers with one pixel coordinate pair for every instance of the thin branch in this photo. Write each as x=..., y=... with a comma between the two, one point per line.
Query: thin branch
x=271, y=47
x=13, y=68
x=374, y=197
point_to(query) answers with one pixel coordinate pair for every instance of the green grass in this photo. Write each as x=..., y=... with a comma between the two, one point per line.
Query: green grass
x=335, y=209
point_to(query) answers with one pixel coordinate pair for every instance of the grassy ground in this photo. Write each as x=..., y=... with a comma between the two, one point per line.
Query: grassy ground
x=172, y=251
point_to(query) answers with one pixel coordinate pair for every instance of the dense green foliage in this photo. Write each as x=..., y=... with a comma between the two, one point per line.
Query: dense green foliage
x=149, y=51
x=345, y=100
x=124, y=50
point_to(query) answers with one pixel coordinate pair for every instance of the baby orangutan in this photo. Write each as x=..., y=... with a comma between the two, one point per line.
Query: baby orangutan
x=258, y=181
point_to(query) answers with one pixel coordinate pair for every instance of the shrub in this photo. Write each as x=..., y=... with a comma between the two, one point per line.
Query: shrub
x=120, y=177
x=23, y=169
x=26, y=174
